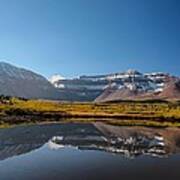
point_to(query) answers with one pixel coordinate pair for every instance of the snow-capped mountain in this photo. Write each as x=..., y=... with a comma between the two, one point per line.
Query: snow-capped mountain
x=131, y=79
x=15, y=81
x=56, y=78
x=20, y=82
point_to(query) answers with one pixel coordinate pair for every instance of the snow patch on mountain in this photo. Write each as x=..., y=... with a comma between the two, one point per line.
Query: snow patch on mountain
x=55, y=78
x=131, y=79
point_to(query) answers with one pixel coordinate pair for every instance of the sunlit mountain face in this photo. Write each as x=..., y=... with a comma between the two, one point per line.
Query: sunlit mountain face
x=148, y=81
x=132, y=84
x=124, y=85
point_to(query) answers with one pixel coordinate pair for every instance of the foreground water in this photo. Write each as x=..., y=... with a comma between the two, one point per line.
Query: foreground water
x=89, y=151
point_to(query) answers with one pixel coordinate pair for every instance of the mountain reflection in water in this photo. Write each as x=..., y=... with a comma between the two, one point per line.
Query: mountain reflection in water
x=127, y=141
x=129, y=147
x=89, y=152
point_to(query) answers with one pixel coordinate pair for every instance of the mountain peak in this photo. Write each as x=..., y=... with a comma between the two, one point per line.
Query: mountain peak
x=15, y=81
x=132, y=72
x=5, y=64
x=55, y=78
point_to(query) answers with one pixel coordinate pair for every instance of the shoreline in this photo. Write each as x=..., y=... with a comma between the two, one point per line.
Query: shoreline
x=25, y=120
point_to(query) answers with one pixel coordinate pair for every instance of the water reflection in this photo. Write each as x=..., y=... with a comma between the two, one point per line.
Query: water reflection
x=24, y=139
x=129, y=147
x=127, y=141
x=89, y=151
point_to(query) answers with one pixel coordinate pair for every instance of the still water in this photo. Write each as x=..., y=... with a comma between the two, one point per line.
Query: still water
x=88, y=152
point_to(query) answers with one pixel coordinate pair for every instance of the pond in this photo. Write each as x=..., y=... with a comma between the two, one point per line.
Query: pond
x=89, y=151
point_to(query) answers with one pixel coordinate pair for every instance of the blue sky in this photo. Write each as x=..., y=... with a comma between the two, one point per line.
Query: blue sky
x=75, y=37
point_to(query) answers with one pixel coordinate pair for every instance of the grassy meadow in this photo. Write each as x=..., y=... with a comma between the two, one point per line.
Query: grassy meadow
x=150, y=113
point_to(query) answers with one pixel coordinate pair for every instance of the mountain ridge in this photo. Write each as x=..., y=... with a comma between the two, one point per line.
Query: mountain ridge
x=15, y=81
x=131, y=84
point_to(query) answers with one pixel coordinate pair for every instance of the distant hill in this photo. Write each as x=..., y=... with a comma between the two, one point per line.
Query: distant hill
x=20, y=82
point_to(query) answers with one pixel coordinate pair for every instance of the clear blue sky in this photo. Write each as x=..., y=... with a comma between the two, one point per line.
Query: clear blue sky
x=73, y=37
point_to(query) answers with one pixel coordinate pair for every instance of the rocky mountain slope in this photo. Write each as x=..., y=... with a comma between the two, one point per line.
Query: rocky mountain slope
x=129, y=85
x=170, y=91
x=129, y=79
x=118, y=86
x=20, y=82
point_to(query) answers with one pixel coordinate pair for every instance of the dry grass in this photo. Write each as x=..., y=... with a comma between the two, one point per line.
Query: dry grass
x=147, y=113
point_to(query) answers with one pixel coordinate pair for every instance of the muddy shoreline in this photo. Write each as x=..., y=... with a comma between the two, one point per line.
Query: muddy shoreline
x=113, y=120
